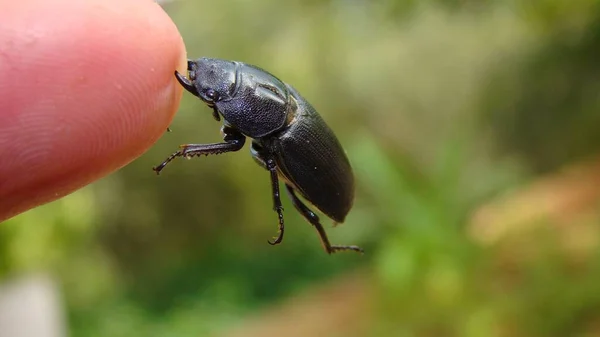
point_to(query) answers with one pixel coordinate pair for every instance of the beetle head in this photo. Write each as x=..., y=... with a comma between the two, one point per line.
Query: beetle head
x=212, y=80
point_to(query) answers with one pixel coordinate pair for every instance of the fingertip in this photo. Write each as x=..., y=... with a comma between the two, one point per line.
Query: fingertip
x=93, y=92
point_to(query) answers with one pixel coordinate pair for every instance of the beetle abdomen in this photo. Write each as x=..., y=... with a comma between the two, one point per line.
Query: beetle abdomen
x=313, y=160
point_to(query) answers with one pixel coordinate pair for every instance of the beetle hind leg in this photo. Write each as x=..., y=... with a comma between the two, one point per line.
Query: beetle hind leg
x=313, y=218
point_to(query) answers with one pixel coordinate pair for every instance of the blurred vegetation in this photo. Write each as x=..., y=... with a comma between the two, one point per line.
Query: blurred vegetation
x=441, y=105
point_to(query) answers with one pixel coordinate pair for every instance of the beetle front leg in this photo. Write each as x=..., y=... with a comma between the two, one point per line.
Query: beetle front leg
x=314, y=220
x=215, y=114
x=234, y=141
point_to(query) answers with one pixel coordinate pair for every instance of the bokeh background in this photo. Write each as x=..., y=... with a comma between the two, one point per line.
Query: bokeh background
x=474, y=131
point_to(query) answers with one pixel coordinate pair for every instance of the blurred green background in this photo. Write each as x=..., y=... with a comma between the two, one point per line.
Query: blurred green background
x=443, y=107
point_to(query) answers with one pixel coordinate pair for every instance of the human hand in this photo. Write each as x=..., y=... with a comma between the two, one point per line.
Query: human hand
x=85, y=88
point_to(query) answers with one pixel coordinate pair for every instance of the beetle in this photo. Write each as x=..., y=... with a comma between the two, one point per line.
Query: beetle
x=289, y=139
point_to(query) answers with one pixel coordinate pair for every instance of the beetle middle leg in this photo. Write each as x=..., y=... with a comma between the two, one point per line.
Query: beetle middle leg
x=272, y=167
x=260, y=156
x=313, y=218
x=234, y=141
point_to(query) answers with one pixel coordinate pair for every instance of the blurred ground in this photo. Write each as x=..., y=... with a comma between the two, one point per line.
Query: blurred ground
x=472, y=127
x=567, y=200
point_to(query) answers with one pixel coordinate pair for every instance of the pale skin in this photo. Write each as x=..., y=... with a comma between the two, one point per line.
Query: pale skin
x=68, y=115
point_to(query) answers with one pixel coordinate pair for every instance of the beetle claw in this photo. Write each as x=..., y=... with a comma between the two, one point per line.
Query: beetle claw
x=159, y=168
x=276, y=240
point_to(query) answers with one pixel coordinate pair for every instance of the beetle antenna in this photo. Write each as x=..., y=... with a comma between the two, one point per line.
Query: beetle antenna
x=190, y=64
x=186, y=83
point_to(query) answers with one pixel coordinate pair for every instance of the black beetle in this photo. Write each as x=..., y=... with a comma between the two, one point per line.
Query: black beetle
x=289, y=138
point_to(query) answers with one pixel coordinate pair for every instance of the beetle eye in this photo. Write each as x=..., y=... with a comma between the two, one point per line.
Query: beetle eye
x=211, y=94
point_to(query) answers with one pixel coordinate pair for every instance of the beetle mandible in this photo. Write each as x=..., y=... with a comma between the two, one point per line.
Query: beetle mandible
x=289, y=139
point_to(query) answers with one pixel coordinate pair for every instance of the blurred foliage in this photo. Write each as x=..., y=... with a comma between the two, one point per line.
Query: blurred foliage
x=550, y=114
x=441, y=105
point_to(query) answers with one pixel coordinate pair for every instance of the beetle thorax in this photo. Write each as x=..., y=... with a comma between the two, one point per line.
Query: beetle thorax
x=260, y=105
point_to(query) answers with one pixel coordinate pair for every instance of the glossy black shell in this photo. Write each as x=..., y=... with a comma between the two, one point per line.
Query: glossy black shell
x=312, y=160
